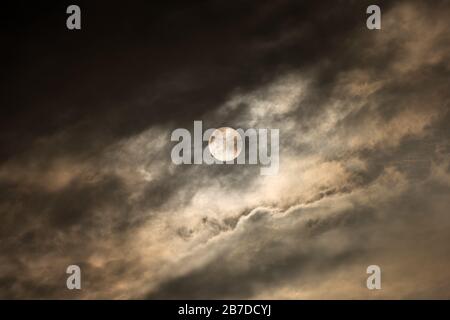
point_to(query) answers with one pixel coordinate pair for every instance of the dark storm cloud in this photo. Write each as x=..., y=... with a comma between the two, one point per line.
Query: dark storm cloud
x=134, y=65
x=272, y=262
x=420, y=90
x=44, y=229
x=305, y=244
x=85, y=166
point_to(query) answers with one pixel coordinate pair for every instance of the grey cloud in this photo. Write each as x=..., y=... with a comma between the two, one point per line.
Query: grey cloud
x=86, y=176
x=313, y=242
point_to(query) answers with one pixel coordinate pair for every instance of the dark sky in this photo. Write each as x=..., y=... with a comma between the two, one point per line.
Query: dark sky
x=86, y=176
x=185, y=57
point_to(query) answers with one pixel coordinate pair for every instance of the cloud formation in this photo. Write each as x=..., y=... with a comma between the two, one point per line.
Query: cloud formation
x=86, y=176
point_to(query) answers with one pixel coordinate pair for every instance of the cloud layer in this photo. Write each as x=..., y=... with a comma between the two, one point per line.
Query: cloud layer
x=86, y=176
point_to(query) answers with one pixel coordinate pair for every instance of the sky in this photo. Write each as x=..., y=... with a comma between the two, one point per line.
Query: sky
x=86, y=176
